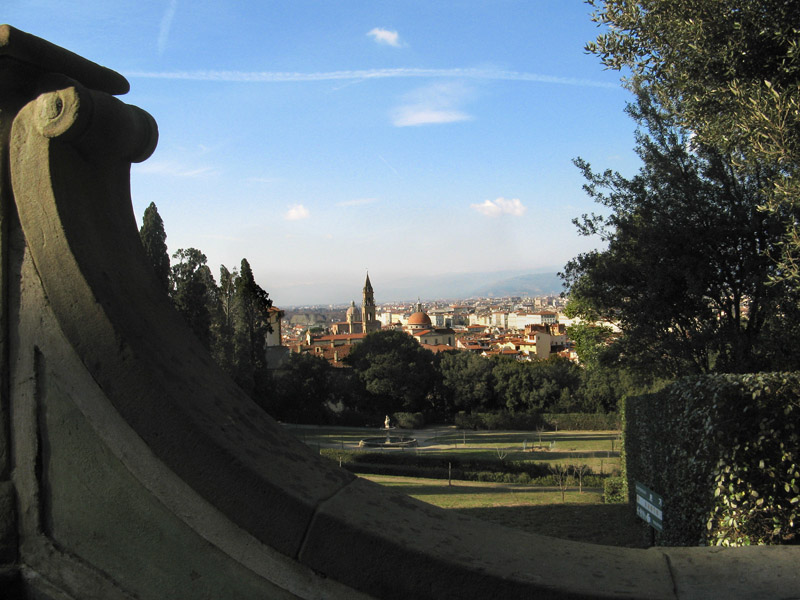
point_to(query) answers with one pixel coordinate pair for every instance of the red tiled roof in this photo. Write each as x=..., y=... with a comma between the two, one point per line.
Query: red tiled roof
x=340, y=336
x=437, y=347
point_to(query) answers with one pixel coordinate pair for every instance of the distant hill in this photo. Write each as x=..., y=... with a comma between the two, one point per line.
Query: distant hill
x=529, y=284
x=467, y=285
x=449, y=286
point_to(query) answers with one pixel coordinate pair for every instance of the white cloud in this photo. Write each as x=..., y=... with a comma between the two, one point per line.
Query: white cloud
x=501, y=206
x=409, y=116
x=384, y=36
x=297, y=212
x=437, y=103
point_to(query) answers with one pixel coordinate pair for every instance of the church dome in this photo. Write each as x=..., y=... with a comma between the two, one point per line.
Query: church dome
x=352, y=311
x=419, y=318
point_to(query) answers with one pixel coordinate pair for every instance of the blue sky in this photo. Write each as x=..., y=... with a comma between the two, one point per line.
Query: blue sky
x=319, y=139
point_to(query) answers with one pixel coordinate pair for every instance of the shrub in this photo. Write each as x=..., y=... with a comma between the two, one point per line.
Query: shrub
x=582, y=421
x=411, y=464
x=614, y=491
x=723, y=451
x=498, y=420
x=406, y=420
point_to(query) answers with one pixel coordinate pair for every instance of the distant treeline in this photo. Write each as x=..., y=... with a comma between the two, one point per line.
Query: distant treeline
x=392, y=374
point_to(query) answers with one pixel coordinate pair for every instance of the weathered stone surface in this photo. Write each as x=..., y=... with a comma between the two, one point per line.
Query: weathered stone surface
x=34, y=56
x=753, y=572
x=8, y=523
x=403, y=548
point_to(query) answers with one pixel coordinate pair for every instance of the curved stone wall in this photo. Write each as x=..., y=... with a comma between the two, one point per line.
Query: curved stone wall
x=137, y=469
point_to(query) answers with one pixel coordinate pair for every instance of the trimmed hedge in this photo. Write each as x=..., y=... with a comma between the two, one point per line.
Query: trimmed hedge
x=723, y=452
x=615, y=490
x=436, y=467
x=582, y=421
x=534, y=421
x=407, y=420
x=499, y=420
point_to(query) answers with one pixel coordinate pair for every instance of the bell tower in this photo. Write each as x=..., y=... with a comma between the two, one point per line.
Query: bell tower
x=370, y=323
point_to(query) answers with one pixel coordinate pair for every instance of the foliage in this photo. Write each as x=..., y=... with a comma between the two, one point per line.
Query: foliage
x=687, y=269
x=410, y=464
x=602, y=388
x=588, y=338
x=307, y=389
x=724, y=452
x=154, y=240
x=406, y=420
x=467, y=380
x=498, y=420
x=581, y=421
x=615, y=490
x=536, y=385
x=532, y=421
x=231, y=320
x=397, y=373
x=223, y=325
x=193, y=291
x=250, y=327
x=301, y=389
x=728, y=69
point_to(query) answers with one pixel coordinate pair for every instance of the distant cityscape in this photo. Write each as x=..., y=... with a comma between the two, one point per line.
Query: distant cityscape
x=525, y=328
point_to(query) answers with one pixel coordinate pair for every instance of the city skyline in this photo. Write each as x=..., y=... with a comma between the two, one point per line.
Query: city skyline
x=413, y=139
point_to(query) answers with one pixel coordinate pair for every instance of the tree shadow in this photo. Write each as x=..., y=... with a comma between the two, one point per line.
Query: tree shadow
x=440, y=490
x=606, y=524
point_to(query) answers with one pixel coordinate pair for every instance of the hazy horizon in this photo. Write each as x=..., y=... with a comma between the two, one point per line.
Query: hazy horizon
x=444, y=286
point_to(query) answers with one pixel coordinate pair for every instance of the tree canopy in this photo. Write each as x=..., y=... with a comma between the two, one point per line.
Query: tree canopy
x=154, y=240
x=251, y=324
x=396, y=370
x=687, y=270
x=729, y=71
x=193, y=290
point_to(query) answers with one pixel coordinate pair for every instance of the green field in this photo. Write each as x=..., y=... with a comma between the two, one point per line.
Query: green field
x=580, y=516
x=599, y=450
x=474, y=494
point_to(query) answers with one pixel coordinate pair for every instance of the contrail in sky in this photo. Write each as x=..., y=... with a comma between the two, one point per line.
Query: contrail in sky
x=284, y=77
x=166, y=25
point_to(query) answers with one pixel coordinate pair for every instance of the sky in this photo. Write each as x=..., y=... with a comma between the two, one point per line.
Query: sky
x=322, y=139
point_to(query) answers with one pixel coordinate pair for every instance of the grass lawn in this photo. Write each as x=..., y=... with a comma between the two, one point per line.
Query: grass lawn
x=582, y=517
x=592, y=448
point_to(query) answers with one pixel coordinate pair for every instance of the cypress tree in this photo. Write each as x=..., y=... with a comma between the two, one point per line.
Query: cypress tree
x=154, y=240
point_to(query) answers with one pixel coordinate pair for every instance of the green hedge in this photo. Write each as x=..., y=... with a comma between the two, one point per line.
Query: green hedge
x=437, y=467
x=615, y=490
x=407, y=420
x=723, y=452
x=582, y=421
x=499, y=420
x=423, y=461
x=534, y=421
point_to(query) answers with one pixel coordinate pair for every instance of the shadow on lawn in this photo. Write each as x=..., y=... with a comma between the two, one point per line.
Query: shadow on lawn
x=607, y=524
x=439, y=490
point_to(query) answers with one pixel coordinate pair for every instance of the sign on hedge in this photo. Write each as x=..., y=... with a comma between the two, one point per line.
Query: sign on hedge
x=649, y=506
